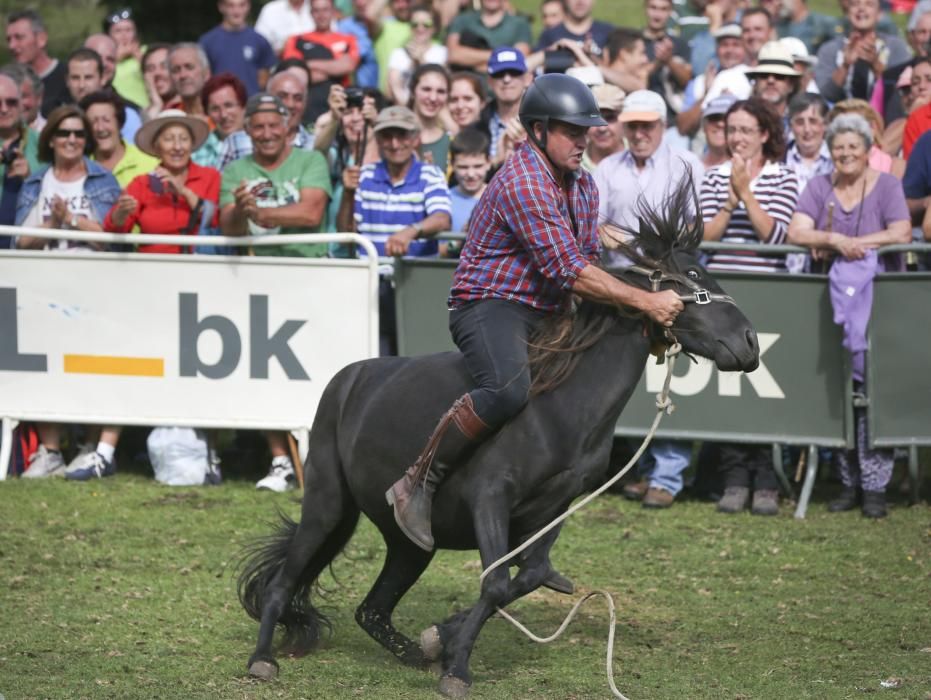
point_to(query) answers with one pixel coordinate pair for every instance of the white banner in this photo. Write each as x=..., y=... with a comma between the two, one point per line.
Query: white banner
x=195, y=340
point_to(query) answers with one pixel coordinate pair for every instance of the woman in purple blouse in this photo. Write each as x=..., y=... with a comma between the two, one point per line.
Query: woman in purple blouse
x=848, y=215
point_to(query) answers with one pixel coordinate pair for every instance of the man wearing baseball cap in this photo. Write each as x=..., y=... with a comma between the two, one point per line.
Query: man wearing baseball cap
x=647, y=172
x=607, y=139
x=508, y=78
x=277, y=189
x=398, y=203
x=532, y=245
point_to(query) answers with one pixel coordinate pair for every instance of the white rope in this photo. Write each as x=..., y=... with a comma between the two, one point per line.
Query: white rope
x=663, y=406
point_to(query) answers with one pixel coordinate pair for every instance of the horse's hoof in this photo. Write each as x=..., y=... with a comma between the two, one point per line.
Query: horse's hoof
x=264, y=670
x=431, y=644
x=452, y=687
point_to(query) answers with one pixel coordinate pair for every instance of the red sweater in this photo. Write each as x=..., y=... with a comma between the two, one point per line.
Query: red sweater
x=167, y=213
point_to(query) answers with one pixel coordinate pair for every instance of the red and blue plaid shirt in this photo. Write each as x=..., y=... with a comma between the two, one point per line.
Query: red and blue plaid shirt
x=522, y=245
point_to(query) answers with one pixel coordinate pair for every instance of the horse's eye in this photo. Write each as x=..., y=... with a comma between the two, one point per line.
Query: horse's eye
x=693, y=274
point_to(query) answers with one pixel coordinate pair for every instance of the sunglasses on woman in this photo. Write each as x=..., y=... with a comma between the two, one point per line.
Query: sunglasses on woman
x=65, y=133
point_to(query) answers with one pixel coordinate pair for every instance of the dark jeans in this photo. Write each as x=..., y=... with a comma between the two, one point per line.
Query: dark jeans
x=747, y=465
x=493, y=335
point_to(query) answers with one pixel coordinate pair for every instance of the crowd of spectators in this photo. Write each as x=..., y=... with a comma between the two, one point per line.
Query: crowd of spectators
x=388, y=119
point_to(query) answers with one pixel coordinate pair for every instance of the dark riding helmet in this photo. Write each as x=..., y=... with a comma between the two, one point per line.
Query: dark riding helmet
x=558, y=97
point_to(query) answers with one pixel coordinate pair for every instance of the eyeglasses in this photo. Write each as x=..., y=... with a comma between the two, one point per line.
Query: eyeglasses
x=9, y=101
x=773, y=76
x=65, y=133
x=422, y=25
x=506, y=74
x=609, y=115
x=742, y=130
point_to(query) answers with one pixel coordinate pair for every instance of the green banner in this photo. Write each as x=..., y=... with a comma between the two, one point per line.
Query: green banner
x=798, y=395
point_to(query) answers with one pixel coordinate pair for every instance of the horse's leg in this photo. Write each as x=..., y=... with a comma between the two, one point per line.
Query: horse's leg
x=404, y=563
x=491, y=531
x=534, y=568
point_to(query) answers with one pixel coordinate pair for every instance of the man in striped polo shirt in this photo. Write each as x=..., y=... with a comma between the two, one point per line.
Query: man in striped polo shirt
x=395, y=202
x=532, y=244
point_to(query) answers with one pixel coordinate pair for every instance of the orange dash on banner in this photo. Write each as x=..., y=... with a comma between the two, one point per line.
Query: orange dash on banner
x=106, y=364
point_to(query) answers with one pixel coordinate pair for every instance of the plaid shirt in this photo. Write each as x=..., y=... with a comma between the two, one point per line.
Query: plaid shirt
x=522, y=245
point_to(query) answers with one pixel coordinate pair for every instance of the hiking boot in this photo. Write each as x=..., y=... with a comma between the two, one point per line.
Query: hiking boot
x=44, y=462
x=90, y=466
x=847, y=500
x=280, y=477
x=636, y=490
x=765, y=502
x=411, y=496
x=874, y=504
x=657, y=498
x=734, y=499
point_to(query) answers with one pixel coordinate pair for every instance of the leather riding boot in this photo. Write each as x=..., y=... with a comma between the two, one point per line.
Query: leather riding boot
x=412, y=495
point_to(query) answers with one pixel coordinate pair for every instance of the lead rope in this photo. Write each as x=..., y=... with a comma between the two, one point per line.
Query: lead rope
x=664, y=406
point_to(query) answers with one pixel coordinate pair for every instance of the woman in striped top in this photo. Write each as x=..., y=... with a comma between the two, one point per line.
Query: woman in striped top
x=749, y=199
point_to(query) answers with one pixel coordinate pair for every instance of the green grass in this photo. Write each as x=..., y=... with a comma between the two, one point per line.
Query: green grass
x=121, y=589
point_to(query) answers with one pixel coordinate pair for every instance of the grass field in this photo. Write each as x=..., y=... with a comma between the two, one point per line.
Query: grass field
x=122, y=589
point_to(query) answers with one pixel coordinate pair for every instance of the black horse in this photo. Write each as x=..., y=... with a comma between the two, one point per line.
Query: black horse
x=375, y=416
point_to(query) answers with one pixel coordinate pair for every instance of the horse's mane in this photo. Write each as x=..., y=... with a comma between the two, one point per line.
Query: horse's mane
x=557, y=345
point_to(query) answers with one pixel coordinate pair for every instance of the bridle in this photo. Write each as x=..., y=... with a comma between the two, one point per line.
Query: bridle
x=699, y=295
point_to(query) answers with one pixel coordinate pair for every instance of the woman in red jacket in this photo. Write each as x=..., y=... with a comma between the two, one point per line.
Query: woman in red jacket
x=179, y=196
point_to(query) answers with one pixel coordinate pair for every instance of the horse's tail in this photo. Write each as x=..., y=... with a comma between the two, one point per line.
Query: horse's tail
x=278, y=571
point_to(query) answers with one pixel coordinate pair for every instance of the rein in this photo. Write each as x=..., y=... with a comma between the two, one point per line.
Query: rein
x=699, y=295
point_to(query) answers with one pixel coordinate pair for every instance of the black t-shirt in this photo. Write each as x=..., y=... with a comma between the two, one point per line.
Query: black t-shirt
x=598, y=33
x=55, y=90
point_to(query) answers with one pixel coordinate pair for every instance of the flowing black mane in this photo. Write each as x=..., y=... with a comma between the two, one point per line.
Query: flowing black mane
x=557, y=345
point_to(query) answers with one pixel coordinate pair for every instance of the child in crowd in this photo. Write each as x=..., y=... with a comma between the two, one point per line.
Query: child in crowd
x=471, y=163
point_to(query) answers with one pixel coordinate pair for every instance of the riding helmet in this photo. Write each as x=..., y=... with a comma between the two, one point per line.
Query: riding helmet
x=559, y=97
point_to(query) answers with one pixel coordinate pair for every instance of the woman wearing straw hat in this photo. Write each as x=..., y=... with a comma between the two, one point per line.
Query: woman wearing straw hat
x=179, y=196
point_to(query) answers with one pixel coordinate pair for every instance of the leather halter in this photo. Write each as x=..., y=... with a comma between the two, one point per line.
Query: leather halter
x=699, y=295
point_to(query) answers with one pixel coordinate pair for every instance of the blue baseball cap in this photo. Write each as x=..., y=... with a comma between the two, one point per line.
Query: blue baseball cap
x=506, y=58
x=719, y=105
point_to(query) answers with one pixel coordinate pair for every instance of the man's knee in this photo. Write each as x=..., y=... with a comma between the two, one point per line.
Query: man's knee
x=505, y=402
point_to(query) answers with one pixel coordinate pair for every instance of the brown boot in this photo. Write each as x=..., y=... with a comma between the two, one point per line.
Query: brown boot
x=635, y=491
x=412, y=494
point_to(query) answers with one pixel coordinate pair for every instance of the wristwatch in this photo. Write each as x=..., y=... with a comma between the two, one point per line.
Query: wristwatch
x=418, y=228
x=73, y=223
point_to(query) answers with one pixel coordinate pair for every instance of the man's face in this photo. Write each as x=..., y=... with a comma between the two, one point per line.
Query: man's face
x=82, y=79
x=10, y=105
x=322, y=13
x=565, y=144
x=607, y=139
x=30, y=101
x=773, y=7
x=808, y=129
x=24, y=44
x=730, y=52
x=658, y=12
x=106, y=49
x=269, y=133
x=396, y=146
x=293, y=93
x=921, y=35
x=579, y=9
x=235, y=12
x=187, y=74
x=756, y=31
x=471, y=170
x=492, y=5
x=104, y=126
x=863, y=14
x=156, y=69
x=401, y=9
x=774, y=89
x=508, y=86
x=643, y=138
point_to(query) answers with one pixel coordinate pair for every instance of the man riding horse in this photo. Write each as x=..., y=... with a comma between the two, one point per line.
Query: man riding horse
x=533, y=243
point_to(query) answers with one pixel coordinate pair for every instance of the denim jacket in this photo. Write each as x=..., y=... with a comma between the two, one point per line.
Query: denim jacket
x=101, y=187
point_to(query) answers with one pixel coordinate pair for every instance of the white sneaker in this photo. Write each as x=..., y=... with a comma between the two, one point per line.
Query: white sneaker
x=280, y=477
x=44, y=463
x=80, y=459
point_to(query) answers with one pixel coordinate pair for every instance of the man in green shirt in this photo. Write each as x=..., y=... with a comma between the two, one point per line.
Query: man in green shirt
x=278, y=189
x=474, y=34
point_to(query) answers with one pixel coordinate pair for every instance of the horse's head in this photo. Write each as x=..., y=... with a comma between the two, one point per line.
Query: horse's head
x=665, y=256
